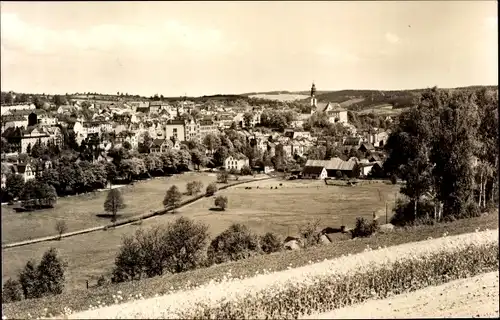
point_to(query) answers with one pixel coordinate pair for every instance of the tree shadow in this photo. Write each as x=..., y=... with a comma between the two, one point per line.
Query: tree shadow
x=107, y=215
x=216, y=209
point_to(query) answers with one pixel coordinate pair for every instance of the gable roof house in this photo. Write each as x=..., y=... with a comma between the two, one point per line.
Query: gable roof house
x=314, y=172
x=332, y=166
x=236, y=162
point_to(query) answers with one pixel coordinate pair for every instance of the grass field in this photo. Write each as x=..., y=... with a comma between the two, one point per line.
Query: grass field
x=280, y=97
x=80, y=212
x=282, y=210
x=382, y=110
x=80, y=299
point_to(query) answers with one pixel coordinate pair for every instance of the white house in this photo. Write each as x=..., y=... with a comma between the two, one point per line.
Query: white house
x=236, y=162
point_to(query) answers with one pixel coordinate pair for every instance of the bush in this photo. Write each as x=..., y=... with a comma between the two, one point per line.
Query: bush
x=172, y=198
x=394, y=179
x=404, y=212
x=310, y=233
x=102, y=281
x=246, y=171
x=471, y=210
x=194, y=187
x=12, y=291
x=211, y=189
x=223, y=177
x=233, y=171
x=176, y=247
x=364, y=228
x=235, y=243
x=51, y=273
x=271, y=242
x=28, y=278
x=221, y=202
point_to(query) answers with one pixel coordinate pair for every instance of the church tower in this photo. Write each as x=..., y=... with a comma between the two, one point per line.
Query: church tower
x=313, y=98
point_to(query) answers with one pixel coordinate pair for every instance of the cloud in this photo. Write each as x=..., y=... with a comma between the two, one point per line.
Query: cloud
x=392, y=38
x=165, y=36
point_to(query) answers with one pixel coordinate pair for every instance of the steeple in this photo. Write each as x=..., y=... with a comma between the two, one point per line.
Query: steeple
x=313, y=97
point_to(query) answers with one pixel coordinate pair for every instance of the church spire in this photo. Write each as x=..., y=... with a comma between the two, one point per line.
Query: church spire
x=313, y=97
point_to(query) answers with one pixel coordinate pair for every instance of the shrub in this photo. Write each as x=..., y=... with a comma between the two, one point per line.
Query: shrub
x=235, y=243
x=185, y=242
x=233, y=171
x=128, y=262
x=28, y=278
x=223, y=177
x=61, y=228
x=194, y=187
x=271, y=242
x=394, y=179
x=102, y=281
x=471, y=210
x=363, y=228
x=175, y=247
x=211, y=189
x=310, y=233
x=51, y=273
x=12, y=291
x=404, y=212
x=246, y=171
x=221, y=202
x=172, y=198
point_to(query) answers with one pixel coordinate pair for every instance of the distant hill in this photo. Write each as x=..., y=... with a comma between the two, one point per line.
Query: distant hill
x=359, y=100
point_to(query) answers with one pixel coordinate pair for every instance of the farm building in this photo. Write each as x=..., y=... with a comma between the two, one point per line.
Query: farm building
x=314, y=172
x=333, y=168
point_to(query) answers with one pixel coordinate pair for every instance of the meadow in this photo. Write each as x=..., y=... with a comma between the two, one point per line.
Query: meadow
x=81, y=211
x=281, y=97
x=281, y=210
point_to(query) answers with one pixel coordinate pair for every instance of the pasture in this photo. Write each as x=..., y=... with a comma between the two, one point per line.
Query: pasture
x=80, y=212
x=280, y=210
x=281, y=97
x=382, y=110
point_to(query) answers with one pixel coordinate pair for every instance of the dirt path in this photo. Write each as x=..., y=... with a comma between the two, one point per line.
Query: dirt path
x=471, y=297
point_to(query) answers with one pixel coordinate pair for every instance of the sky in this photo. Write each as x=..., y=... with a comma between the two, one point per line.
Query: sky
x=204, y=48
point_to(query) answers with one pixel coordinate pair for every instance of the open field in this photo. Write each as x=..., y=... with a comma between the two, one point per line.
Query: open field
x=283, y=211
x=464, y=298
x=280, y=97
x=382, y=110
x=79, y=300
x=80, y=212
x=292, y=205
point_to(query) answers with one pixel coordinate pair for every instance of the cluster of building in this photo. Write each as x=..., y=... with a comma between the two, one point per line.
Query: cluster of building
x=116, y=122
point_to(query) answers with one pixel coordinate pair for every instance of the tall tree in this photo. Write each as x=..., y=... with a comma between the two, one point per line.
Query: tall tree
x=114, y=202
x=172, y=198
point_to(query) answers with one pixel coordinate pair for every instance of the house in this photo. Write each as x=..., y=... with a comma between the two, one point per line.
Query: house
x=6, y=109
x=378, y=139
x=175, y=129
x=160, y=145
x=364, y=147
x=32, y=135
x=365, y=168
x=26, y=170
x=334, y=112
x=314, y=172
x=334, y=167
x=207, y=126
x=12, y=121
x=236, y=162
x=352, y=141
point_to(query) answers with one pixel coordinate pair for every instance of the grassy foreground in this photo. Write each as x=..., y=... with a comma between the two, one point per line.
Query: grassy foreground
x=79, y=300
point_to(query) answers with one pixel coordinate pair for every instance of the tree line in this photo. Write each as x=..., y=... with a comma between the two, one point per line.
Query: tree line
x=446, y=150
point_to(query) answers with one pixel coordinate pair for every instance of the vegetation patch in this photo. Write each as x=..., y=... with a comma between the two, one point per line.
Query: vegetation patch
x=81, y=299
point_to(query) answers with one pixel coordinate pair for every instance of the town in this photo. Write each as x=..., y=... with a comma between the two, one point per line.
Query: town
x=249, y=160
x=47, y=125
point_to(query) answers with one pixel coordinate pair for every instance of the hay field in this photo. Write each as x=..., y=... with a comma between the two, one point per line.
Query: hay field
x=282, y=210
x=80, y=212
x=281, y=97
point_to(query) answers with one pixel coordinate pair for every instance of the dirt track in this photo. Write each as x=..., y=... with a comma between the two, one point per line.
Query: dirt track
x=471, y=297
